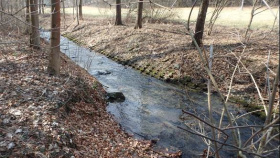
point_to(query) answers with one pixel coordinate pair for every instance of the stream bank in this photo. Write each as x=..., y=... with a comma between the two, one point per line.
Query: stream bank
x=152, y=109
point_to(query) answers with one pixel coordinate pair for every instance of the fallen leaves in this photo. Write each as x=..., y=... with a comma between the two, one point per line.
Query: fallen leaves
x=65, y=116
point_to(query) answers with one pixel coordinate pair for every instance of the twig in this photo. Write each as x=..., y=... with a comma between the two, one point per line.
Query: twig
x=260, y=130
x=189, y=18
x=233, y=146
x=256, y=86
x=215, y=84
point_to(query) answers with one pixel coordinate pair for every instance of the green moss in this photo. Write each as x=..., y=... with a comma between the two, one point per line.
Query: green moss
x=249, y=106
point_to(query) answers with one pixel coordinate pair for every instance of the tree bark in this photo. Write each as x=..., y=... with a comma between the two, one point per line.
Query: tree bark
x=74, y=2
x=118, y=13
x=199, y=27
x=81, y=9
x=43, y=6
x=242, y=4
x=27, y=17
x=54, y=57
x=35, y=37
x=77, y=13
x=139, y=15
x=40, y=6
x=2, y=8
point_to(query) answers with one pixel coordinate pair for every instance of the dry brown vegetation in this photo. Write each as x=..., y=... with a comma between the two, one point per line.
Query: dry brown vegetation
x=164, y=50
x=65, y=116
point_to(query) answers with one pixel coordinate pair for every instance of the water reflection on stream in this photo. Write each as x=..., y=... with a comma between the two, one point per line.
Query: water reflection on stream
x=152, y=109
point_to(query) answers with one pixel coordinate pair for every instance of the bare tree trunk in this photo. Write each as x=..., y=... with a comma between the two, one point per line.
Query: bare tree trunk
x=199, y=27
x=40, y=5
x=77, y=14
x=43, y=6
x=74, y=1
x=2, y=8
x=81, y=9
x=118, y=13
x=139, y=15
x=54, y=57
x=27, y=17
x=63, y=7
x=35, y=37
x=242, y=4
x=64, y=19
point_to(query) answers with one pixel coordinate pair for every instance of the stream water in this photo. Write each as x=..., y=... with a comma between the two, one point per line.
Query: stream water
x=152, y=109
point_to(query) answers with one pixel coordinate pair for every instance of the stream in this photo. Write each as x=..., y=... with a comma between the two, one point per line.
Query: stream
x=152, y=109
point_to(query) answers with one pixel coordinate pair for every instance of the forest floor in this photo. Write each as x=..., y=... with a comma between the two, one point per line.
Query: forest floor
x=48, y=116
x=164, y=51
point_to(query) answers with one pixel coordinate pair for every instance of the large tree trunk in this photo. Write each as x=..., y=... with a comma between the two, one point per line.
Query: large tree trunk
x=118, y=13
x=139, y=15
x=54, y=57
x=35, y=37
x=199, y=27
x=27, y=17
x=81, y=9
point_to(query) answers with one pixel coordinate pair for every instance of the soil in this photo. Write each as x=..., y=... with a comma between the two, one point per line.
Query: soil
x=164, y=51
x=49, y=116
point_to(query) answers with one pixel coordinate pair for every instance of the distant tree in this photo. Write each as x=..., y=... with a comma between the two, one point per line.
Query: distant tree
x=118, y=13
x=43, y=6
x=2, y=8
x=242, y=4
x=199, y=27
x=63, y=8
x=27, y=17
x=54, y=57
x=139, y=15
x=77, y=12
x=40, y=6
x=81, y=9
x=34, y=36
x=219, y=6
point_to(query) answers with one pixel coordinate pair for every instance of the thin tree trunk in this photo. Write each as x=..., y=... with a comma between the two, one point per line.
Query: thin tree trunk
x=39, y=6
x=43, y=6
x=54, y=57
x=77, y=13
x=81, y=9
x=118, y=13
x=27, y=17
x=74, y=1
x=199, y=27
x=242, y=4
x=35, y=37
x=139, y=15
x=2, y=8
x=63, y=7
x=64, y=19
x=210, y=104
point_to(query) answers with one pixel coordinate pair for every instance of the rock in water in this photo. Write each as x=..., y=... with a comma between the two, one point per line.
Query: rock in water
x=106, y=72
x=115, y=97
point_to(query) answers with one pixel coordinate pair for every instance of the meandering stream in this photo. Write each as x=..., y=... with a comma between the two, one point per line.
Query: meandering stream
x=152, y=109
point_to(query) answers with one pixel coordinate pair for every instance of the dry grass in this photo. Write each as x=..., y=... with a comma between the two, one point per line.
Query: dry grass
x=230, y=16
